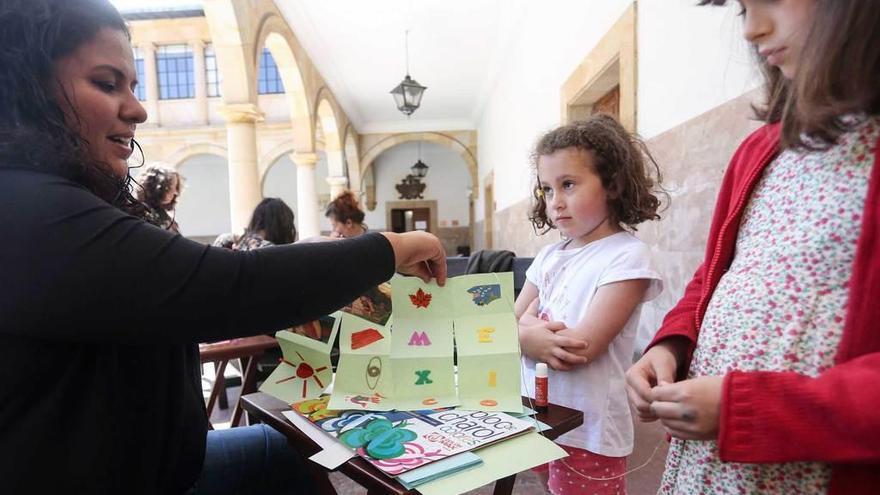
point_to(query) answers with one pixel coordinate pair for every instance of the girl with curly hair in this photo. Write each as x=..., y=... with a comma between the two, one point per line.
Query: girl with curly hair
x=579, y=309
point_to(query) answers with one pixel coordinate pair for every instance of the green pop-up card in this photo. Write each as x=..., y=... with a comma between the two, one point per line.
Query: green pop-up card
x=364, y=373
x=408, y=364
x=304, y=371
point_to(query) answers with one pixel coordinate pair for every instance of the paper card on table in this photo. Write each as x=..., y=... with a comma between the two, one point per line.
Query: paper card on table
x=527, y=411
x=333, y=454
x=482, y=293
x=499, y=460
x=399, y=441
x=303, y=373
x=492, y=383
x=318, y=334
x=439, y=469
x=413, y=298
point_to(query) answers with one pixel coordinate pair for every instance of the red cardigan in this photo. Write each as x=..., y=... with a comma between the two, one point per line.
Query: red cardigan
x=784, y=416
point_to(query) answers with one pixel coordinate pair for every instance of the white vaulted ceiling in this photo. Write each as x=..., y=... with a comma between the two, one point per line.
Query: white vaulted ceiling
x=456, y=49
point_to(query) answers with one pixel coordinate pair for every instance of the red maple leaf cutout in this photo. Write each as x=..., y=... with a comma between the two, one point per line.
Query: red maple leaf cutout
x=420, y=299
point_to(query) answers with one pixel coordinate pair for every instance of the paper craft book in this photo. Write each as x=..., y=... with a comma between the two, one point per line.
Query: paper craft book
x=406, y=362
x=399, y=441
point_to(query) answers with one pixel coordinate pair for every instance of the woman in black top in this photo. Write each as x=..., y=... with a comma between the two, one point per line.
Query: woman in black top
x=99, y=310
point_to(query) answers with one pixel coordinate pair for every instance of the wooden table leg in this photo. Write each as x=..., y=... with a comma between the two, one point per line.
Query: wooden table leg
x=320, y=479
x=247, y=386
x=504, y=486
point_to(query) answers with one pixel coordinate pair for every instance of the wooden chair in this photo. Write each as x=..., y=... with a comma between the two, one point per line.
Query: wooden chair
x=248, y=349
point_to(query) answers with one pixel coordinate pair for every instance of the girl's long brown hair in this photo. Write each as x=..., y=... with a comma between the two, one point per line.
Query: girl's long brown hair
x=838, y=74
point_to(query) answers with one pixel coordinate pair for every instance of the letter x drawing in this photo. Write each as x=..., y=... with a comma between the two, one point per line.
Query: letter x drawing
x=423, y=377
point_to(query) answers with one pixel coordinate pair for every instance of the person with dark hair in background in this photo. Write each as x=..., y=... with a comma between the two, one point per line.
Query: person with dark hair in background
x=100, y=310
x=272, y=223
x=159, y=190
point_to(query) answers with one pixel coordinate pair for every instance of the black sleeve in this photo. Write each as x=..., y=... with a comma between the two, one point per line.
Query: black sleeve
x=75, y=268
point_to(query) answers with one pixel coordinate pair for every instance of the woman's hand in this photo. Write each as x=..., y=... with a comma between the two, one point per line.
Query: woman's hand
x=689, y=409
x=657, y=366
x=418, y=253
x=540, y=342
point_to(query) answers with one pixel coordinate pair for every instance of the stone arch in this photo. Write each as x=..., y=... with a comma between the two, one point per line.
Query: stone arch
x=188, y=151
x=389, y=142
x=273, y=155
x=230, y=25
x=274, y=34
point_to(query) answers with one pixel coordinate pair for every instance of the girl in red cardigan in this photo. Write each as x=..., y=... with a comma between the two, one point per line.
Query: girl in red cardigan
x=765, y=373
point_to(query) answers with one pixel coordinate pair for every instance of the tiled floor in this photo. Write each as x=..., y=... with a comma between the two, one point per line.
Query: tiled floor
x=644, y=481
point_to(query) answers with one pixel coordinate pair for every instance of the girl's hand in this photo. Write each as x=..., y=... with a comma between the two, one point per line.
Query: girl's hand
x=419, y=253
x=689, y=409
x=656, y=366
x=541, y=343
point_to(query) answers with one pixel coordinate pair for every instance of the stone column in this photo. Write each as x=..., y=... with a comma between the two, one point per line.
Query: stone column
x=151, y=83
x=338, y=185
x=306, y=195
x=244, y=177
x=200, y=81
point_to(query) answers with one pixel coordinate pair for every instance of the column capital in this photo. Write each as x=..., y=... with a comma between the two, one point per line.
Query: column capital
x=305, y=159
x=337, y=181
x=198, y=43
x=147, y=46
x=241, y=113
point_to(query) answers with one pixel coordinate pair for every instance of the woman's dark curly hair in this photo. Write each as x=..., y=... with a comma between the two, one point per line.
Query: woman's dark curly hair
x=34, y=34
x=155, y=181
x=344, y=208
x=620, y=162
x=275, y=219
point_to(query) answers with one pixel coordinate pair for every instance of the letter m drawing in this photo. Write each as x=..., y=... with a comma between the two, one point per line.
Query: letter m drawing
x=419, y=338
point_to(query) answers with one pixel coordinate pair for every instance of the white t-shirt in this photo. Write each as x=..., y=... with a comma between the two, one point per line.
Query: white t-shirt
x=566, y=280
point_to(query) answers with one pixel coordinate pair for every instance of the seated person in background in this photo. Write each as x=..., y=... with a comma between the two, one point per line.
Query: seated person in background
x=346, y=217
x=272, y=224
x=160, y=187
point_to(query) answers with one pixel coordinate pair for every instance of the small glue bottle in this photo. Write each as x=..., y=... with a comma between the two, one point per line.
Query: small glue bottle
x=541, y=387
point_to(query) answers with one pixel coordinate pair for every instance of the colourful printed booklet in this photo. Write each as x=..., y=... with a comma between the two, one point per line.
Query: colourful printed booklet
x=399, y=441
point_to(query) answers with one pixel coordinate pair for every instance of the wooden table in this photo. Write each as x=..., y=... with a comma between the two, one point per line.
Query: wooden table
x=268, y=409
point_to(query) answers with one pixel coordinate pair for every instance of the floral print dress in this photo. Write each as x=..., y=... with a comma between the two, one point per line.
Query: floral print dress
x=781, y=305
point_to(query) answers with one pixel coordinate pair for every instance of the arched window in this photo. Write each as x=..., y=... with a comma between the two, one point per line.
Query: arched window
x=269, y=80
